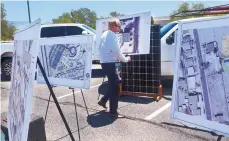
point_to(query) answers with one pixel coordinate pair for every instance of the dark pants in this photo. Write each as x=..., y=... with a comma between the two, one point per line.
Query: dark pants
x=109, y=70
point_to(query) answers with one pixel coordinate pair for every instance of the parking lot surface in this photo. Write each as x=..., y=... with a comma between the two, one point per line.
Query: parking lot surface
x=146, y=119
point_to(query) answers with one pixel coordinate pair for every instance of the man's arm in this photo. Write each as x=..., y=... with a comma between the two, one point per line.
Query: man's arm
x=119, y=54
x=121, y=57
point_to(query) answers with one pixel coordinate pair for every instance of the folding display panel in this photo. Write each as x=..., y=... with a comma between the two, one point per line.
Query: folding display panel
x=26, y=48
x=134, y=34
x=67, y=60
x=201, y=86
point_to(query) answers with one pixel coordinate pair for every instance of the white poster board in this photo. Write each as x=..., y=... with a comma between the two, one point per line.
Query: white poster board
x=26, y=47
x=201, y=79
x=134, y=37
x=67, y=61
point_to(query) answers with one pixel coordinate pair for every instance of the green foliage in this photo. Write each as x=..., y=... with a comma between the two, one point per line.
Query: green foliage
x=112, y=14
x=82, y=15
x=152, y=20
x=185, y=7
x=198, y=6
x=7, y=30
x=115, y=14
x=64, y=18
x=3, y=12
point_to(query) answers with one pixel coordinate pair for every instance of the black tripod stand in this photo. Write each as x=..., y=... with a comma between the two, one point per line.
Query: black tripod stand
x=75, y=104
x=54, y=98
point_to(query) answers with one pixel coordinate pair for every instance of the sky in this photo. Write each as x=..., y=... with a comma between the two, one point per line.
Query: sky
x=17, y=11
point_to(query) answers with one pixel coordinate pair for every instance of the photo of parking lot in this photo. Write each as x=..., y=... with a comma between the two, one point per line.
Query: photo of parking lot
x=134, y=35
x=114, y=70
x=203, y=86
x=129, y=38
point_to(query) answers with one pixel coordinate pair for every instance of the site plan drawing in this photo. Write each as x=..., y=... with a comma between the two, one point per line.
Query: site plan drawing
x=26, y=44
x=202, y=79
x=134, y=35
x=67, y=60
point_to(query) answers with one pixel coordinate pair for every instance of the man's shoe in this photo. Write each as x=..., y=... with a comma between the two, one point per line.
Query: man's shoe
x=102, y=104
x=117, y=115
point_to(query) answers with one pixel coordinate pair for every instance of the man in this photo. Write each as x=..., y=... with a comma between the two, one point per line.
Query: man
x=109, y=54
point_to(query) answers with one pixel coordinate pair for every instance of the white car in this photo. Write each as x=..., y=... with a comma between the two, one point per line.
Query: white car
x=168, y=47
x=49, y=30
x=6, y=59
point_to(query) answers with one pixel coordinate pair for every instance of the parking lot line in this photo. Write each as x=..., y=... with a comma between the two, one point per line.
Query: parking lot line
x=66, y=95
x=154, y=114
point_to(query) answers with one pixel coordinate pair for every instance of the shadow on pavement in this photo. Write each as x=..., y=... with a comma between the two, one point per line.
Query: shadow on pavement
x=131, y=99
x=100, y=119
x=167, y=83
x=167, y=89
x=5, y=131
x=170, y=128
x=135, y=99
x=167, y=93
x=193, y=128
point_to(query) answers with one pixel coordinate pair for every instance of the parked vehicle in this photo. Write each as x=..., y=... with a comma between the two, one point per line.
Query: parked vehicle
x=167, y=33
x=168, y=47
x=6, y=59
x=50, y=30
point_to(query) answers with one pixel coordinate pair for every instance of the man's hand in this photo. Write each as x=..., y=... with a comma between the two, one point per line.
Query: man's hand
x=128, y=58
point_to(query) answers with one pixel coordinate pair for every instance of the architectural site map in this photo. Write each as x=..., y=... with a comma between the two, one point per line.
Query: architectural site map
x=203, y=77
x=67, y=61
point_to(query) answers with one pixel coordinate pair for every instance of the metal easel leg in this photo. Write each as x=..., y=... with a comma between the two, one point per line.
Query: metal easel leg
x=76, y=113
x=55, y=99
x=84, y=102
x=47, y=107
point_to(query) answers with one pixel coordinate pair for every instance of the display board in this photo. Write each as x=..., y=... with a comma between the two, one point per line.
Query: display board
x=26, y=45
x=201, y=86
x=67, y=60
x=142, y=73
x=134, y=37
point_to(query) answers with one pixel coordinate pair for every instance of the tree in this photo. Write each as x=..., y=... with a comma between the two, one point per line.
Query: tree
x=64, y=18
x=186, y=7
x=3, y=12
x=7, y=30
x=112, y=14
x=115, y=14
x=198, y=6
x=152, y=20
x=82, y=15
x=182, y=7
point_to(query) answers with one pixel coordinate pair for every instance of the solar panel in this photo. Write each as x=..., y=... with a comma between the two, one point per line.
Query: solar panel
x=142, y=73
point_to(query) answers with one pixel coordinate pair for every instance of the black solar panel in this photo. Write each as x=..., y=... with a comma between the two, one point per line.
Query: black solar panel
x=142, y=73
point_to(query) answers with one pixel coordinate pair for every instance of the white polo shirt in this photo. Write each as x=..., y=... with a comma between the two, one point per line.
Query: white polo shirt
x=109, y=49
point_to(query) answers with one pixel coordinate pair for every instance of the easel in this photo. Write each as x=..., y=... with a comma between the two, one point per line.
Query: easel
x=77, y=119
x=75, y=104
x=48, y=104
x=55, y=99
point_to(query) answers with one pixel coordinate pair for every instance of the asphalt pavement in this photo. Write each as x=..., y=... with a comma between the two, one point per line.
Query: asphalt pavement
x=146, y=119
